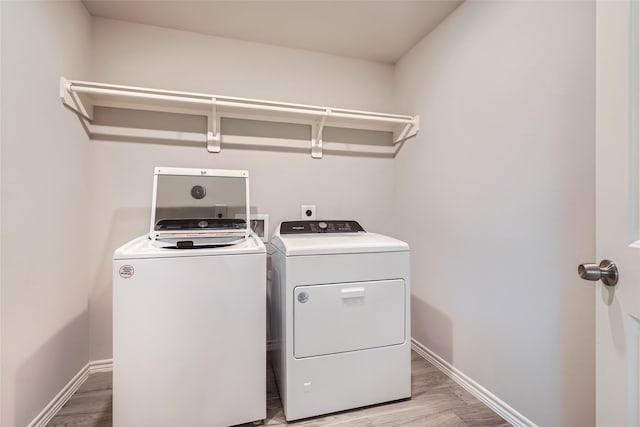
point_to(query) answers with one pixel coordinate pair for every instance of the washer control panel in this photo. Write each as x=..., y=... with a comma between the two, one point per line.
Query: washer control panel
x=313, y=227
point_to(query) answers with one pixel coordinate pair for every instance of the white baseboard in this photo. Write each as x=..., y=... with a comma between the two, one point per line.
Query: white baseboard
x=67, y=391
x=479, y=392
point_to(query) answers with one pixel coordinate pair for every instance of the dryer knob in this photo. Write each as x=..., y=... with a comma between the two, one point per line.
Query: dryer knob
x=322, y=225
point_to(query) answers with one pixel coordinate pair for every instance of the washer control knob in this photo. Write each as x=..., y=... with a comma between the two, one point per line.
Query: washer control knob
x=322, y=225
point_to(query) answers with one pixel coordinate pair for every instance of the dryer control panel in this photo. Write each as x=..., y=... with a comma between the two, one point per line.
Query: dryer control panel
x=312, y=227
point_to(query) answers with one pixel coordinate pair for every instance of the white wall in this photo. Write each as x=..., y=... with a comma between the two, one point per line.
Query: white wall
x=496, y=198
x=121, y=172
x=44, y=199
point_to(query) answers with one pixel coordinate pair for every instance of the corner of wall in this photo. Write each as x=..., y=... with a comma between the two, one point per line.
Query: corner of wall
x=44, y=280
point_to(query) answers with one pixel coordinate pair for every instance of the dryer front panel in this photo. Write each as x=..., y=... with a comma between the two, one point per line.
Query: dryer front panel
x=341, y=317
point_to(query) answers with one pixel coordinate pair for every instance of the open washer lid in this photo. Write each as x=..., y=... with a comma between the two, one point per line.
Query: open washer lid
x=194, y=207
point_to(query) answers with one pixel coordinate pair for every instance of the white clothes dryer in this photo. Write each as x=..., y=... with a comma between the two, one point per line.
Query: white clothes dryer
x=189, y=334
x=340, y=317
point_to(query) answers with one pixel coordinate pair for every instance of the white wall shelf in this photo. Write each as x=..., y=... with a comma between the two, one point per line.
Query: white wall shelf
x=82, y=97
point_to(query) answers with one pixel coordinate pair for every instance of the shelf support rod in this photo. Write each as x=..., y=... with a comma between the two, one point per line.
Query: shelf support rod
x=403, y=134
x=213, y=129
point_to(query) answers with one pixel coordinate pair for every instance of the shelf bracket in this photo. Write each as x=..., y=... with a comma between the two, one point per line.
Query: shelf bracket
x=409, y=130
x=316, y=136
x=71, y=100
x=213, y=129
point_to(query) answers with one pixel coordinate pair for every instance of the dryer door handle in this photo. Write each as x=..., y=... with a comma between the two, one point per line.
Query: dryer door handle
x=352, y=293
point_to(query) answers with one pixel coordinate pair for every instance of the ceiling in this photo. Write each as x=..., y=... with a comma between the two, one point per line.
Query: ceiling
x=377, y=30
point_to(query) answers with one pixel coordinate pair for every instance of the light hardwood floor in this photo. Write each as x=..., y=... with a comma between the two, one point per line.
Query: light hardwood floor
x=436, y=400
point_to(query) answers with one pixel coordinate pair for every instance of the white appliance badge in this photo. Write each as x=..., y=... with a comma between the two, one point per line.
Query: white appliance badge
x=126, y=271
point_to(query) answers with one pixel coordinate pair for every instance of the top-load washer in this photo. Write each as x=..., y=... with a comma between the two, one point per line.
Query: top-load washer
x=340, y=317
x=189, y=315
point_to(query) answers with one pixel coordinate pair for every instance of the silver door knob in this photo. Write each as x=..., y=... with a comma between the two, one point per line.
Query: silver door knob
x=606, y=271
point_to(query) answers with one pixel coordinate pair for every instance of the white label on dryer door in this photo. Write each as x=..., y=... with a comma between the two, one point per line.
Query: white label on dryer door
x=344, y=317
